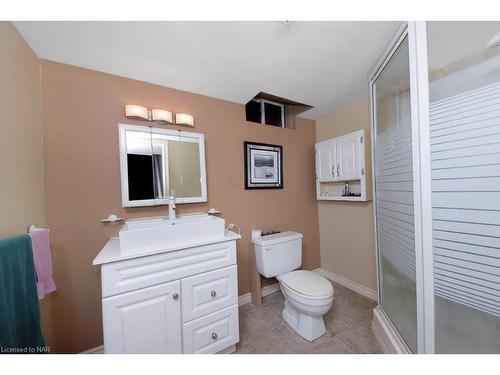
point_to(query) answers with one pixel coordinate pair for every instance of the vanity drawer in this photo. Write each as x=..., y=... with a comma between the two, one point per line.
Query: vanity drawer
x=132, y=274
x=211, y=333
x=208, y=292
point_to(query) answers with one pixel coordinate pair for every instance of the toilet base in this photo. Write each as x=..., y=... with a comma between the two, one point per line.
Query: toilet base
x=309, y=327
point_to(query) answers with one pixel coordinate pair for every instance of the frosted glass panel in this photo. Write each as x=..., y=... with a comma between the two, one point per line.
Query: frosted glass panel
x=465, y=162
x=394, y=195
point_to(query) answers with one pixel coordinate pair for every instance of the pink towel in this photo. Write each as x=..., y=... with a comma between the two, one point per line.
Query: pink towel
x=43, y=261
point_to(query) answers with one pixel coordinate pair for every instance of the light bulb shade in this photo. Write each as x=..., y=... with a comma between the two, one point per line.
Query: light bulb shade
x=136, y=112
x=161, y=117
x=184, y=119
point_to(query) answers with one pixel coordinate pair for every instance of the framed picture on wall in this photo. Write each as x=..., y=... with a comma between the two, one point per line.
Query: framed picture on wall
x=263, y=166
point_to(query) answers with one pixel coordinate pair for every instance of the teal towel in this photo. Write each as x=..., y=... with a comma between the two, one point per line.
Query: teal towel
x=20, y=330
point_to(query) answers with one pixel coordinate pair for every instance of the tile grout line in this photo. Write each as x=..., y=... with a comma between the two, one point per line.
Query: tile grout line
x=355, y=351
x=355, y=320
x=280, y=324
x=347, y=326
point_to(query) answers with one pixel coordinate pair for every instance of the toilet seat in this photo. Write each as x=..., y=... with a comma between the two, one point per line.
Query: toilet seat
x=308, y=284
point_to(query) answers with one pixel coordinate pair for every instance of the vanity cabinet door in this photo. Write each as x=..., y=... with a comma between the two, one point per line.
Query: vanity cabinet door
x=348, y=157
x=144, y=321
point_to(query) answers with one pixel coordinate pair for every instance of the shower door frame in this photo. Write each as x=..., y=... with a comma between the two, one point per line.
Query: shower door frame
x=416, y=32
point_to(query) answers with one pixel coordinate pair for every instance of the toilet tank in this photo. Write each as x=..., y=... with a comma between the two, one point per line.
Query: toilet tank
x=277, y=254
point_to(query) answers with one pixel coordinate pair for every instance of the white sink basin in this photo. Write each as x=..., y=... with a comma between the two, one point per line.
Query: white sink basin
x=140, y=236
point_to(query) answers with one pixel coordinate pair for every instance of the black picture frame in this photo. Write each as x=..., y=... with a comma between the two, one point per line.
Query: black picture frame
x=263, y=165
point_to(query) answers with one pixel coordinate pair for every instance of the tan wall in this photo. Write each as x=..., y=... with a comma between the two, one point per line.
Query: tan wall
x=81, y=111
x=22, y=197
x=346, y=228
x=21, y=144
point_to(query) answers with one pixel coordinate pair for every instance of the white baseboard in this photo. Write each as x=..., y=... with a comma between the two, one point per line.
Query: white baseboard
x=385, y=334
x=244, y=299
x=265, y=291
x=96, y=350
x=358, y=288
x=270, y=289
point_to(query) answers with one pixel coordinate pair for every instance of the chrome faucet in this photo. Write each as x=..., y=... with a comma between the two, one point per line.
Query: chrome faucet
x=171, y=206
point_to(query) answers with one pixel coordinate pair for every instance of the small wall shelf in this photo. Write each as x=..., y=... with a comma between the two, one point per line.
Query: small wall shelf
x=341, y=161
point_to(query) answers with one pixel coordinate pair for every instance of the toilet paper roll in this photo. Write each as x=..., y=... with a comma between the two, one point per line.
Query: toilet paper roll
x=256, y=234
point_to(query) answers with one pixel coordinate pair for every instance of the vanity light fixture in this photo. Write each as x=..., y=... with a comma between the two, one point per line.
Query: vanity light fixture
x=184, y=119
x=136, y=112
x=158, y=116
x=162, y=117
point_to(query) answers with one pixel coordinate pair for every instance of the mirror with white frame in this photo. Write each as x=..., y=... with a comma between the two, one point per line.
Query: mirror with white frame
x=156, y=163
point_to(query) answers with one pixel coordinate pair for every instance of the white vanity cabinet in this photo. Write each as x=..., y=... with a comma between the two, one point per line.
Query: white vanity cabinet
x=171, y=301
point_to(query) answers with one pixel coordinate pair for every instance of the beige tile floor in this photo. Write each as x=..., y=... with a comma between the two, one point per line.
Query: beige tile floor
x=348, y=325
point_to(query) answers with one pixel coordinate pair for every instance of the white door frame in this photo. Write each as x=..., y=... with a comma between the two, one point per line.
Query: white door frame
x=419, y=93
x=422, y=191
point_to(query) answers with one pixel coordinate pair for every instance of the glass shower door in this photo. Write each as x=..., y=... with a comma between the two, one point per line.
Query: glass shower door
x=464, y=114
x=393, y=173
x=437, y=186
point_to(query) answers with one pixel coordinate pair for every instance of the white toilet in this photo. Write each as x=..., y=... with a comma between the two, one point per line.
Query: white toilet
x=308, y=295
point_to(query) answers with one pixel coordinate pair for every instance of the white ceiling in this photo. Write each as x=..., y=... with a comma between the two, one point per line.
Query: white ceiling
x=323, y=64
x=450, y=42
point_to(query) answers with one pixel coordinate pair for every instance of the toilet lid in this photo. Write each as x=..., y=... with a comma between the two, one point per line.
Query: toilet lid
x=308, y=283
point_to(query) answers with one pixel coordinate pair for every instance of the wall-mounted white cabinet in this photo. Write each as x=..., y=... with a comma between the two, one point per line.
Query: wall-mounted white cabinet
x=341, y=161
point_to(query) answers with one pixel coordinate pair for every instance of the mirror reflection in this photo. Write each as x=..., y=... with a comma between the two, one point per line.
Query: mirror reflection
x=156, y=163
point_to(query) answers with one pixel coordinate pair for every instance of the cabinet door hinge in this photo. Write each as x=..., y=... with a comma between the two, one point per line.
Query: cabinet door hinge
x=362, y=139
x=362, y=171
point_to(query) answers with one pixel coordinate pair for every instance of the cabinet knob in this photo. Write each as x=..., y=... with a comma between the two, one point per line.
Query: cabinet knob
x=214, y=336
x=175, y=295
x=213, y=293
x=338, y=173
x=333, y=171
